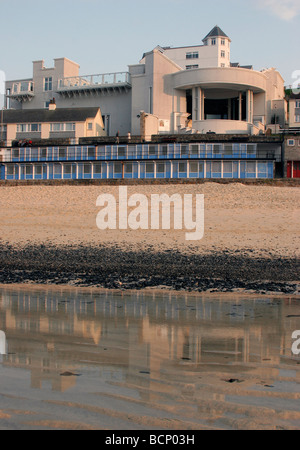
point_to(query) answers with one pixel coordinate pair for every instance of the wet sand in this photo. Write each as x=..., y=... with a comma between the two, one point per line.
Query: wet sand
x=147, y=361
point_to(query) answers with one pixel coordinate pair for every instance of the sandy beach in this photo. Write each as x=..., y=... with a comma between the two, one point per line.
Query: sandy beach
x=143, y=330
x=251, y=234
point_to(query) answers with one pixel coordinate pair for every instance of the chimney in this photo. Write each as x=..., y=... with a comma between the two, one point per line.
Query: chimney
x=52, y=105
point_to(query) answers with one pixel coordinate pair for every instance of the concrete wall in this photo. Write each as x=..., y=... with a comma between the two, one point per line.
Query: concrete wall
x=209, y=55
x=152, y=91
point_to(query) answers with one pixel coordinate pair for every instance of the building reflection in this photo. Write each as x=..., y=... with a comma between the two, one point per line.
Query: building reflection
x=129, y=337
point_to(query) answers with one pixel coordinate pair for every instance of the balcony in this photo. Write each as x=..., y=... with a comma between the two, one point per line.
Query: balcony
x=107, y=83
x=22, y=91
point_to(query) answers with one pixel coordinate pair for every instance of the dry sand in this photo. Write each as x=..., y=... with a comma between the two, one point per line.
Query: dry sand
x=265, y=219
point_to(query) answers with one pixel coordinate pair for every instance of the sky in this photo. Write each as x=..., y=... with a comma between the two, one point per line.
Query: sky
x=107, y=36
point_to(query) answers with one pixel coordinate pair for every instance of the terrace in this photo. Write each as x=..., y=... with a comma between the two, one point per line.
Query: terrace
x=90, y=84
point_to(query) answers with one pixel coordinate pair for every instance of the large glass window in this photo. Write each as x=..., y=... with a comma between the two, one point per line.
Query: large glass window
x=128, y=168
x=194, y=167
x=118, y=168
x=184, y=150
x=67, y=169
x=152, y=150
x=28, y=170
x=149, y=167
x=121, y=152
x=48, y=84
x=182, y=167
x=86, y=169
x=160, y=168
x=38, y=170
x=57, y=169
x=192, y=55
x=97, y=169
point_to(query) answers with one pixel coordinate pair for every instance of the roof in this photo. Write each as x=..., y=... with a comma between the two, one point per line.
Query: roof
x=215, y=32
x=44, y=115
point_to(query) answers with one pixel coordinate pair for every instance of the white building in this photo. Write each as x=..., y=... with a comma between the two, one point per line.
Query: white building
x=171, y=90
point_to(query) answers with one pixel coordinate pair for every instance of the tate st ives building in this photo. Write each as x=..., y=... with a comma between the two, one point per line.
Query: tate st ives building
x=185, y=112
x=194, y=89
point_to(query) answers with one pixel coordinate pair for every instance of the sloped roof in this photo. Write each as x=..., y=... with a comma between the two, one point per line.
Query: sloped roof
x=215, y=32
x=46, y=116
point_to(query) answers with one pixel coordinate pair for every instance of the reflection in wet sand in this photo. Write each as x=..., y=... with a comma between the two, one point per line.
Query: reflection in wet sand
x=147, y=361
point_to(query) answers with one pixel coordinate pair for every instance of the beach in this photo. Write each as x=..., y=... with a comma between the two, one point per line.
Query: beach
x=251, y=240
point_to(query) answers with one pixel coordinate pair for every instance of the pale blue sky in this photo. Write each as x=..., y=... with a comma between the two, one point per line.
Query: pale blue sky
x=107, y=36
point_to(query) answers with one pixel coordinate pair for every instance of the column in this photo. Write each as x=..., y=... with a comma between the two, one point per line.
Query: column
x=196, y=104
x=248, y=106
x=202, y=105
x=240, y=106
x=229, y=109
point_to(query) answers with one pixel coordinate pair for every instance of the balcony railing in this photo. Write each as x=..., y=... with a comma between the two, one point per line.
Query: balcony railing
x=23, y=88
x=99, y=81
x=22, y=91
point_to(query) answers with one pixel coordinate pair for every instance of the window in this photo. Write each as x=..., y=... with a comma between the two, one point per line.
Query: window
x=227, y=167
x=35, y=127
x=222, y=41
x=228, y=150
x=291, y=142
x=21, y=128
x=192, y=55
x=194, y=167
x=91, y=152
x=90, y=126
x=297, y=118
x=118, y=168
x=54, y=127
x=38, y=170
x=152, y=150
x=62, y=153
x=217, y=149
x=67, y=169
x=194, y=66
x=69, y=126
x=194, y=150
x=149, y=167
x=222, y=54
x=28, y=170
x=121, y=152
x=60, y=127
x=57, y=169
x=128, y=168
x=164, y=150
x=48, y=84
x=43, y=153
x=46, y=104
x=16, y=153
x=10, y=170
x=297, y=104
x=213, y=42
x=182, y=168
x=86, y=169
x=216, y=167
x=184, y=150
x=97, y=169
x=222, y=65
x=251, y=168
x=251, y=150
x=160, y=168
